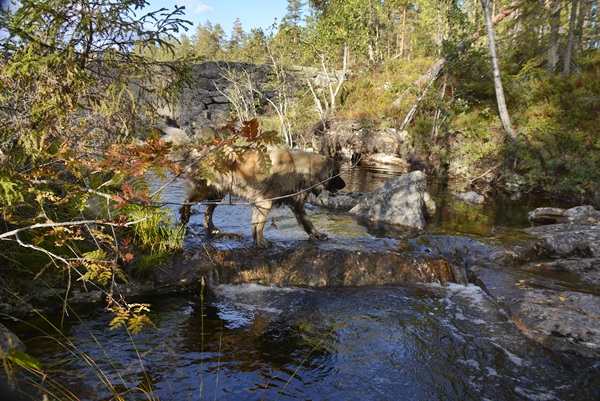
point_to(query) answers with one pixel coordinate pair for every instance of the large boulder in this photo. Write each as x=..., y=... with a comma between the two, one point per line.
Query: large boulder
x=401, y=201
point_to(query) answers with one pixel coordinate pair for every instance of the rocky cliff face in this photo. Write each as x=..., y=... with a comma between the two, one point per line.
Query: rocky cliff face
x=220, y=88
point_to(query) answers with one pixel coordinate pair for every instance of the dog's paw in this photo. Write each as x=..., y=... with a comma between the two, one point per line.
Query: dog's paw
x=319, y=236
x=262, y=243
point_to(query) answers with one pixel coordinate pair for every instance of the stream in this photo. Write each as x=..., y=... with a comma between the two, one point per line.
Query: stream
x=254, y=342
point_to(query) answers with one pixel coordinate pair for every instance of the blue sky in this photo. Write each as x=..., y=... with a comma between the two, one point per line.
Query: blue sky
x=252, y=14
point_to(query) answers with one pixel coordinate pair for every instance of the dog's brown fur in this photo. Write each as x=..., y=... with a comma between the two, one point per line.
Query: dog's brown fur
x=293, y=174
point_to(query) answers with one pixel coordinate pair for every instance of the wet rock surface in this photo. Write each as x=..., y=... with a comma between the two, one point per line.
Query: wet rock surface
x=335, y=262
x=550, y=285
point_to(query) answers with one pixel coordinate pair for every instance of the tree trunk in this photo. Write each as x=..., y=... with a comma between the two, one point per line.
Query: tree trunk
x=502, y=110
x=571, y=40
x=403, y=32
x=583, y=11
x=553, y=41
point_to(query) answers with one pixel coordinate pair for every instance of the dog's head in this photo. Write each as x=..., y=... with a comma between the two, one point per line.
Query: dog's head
x=334, y=181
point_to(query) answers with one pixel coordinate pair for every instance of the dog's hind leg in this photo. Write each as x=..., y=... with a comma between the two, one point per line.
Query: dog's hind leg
x=259, y=218
x=305, y=222
x=185, y=212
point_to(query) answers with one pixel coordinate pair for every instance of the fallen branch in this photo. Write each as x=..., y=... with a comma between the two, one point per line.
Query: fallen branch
x=68, y=223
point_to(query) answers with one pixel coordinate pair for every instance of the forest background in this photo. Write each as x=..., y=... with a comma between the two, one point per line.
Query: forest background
x=388, y=53
x=76, y=134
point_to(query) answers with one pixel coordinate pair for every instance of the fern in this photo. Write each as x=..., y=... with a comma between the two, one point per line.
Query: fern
x=10, y=193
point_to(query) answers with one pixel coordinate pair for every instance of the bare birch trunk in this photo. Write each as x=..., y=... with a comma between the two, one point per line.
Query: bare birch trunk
x=403, y=32
x=501, y=101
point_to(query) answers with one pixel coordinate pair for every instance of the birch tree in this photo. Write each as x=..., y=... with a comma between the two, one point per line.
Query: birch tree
x=500, y=99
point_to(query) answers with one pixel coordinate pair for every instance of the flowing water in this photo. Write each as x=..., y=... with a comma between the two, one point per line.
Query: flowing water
x=251, y=342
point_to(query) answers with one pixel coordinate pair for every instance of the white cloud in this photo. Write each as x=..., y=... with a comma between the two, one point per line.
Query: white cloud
x=196, y=6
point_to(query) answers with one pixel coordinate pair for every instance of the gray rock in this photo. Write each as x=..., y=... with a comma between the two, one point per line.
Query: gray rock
x=470, y=197
x=220, y=99
x=402, y=201
x=338, y=200
x=9, y=341
x=566, y=240
x=583, y=215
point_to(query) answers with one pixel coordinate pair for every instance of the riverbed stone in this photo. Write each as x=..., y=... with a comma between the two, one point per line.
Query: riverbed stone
x=401, y=201
x=581, y=215
x=337, y=200
x=567, y=240
x=550, y=284
x=9, y=341
x=470, y=197
x=335, y=262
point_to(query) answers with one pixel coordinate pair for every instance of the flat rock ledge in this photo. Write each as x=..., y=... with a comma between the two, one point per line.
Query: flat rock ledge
x=550, y=285
x=335, y=262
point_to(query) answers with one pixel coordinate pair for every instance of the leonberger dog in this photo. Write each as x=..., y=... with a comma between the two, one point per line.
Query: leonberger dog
x=292, y=176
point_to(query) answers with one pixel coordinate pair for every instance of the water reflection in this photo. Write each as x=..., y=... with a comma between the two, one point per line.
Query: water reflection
x=367, y=178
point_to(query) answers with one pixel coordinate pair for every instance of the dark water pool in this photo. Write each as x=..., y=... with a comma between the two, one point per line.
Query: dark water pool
x=250, y=342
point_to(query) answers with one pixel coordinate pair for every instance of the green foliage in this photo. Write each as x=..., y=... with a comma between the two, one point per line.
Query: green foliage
x=73, y=98
x=209, y=41
x=155, y=231
x=24, y=360
x=132, y=316
x=370, y=96
x=559, y=124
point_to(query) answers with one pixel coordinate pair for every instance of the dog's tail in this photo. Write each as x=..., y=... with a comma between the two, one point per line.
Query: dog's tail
x=175, y=135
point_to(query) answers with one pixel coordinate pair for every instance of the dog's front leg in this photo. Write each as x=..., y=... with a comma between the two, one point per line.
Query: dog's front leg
x=209, y=226
x=259, y=218
x=305, y=222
